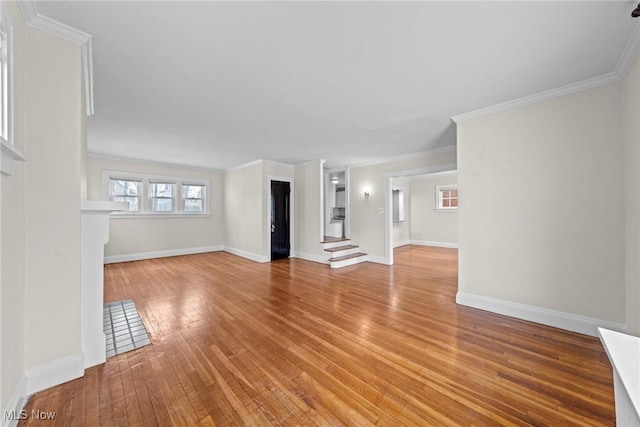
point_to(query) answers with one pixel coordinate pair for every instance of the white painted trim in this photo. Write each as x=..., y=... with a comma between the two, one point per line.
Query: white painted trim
x=10, y=155
x=623, y=351
x=557, y=319
x=377, y=260
x=435, y=244
x=310, y=257
x=431, y=176
x=108, y=157
x=405, y=157
x=629, y=54
x=402, y=243
x=292, y=209
x=245, y=254
x=16, y=404
x=245, y=165
x=58, y=29
x=388, y=216
x=53, y=373
x=162, y=254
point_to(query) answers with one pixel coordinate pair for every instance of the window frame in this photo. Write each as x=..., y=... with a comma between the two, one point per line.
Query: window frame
x=146, y=196
x=111, y=196
x=6, y=78
x=440, y=189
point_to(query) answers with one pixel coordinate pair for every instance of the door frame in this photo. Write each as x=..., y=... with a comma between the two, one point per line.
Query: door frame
x=388, y=206
x=290, y=180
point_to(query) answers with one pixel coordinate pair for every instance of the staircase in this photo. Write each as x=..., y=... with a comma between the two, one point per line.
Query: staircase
x=341, y=253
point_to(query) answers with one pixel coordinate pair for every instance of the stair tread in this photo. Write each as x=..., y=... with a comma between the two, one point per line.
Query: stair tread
x=344, y=257
x=341, y=248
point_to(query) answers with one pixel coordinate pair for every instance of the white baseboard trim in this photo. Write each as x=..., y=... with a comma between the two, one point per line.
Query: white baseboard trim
x=161, y=254
x=557, y=319
x=54, y=373
x=436, y=244
x=12, y=413
x=247, y=255
x=377, y=259
x=311, y=257
x=402, y=243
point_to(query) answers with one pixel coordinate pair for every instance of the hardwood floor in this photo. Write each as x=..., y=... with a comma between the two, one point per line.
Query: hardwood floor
x=296, y=343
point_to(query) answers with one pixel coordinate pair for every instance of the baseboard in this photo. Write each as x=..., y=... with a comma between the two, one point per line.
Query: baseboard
x=403, y=243
x=247, y=255
x=377, y=259
x=557, y=319
x=54, y=373
x=436, y=244
x=12, y=414
x=311, y=257
x=161, y=254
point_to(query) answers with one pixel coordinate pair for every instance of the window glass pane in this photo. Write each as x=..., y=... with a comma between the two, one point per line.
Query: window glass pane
x=445, y=194
x=161, y=205
x=192, y=191
x=162, y=190
x=193, y=205
x=454, y=203
x=454, y=193
x=445, y=203
x=133, y=202
x=120, y=187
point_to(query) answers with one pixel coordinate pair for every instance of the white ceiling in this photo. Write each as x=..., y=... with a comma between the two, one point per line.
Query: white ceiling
x=219, y=84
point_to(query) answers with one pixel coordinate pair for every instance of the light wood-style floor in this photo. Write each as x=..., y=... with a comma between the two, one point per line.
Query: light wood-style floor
x=297, y=343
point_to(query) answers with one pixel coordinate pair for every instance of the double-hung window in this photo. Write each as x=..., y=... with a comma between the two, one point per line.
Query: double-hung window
x=162, y=196
x=126, y=190
x=193, y=197
x=155, y=195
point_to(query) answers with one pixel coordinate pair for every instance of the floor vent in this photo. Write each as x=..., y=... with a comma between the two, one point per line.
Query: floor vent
x=123, y=328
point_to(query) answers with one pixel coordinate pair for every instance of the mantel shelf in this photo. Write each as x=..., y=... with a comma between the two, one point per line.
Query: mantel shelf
x=101, y=206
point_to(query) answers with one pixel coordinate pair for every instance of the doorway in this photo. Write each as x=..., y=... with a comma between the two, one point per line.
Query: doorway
x=280, y=220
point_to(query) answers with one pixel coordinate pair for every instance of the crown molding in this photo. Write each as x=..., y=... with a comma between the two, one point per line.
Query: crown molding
x=40, y=22
x=109, y=157
x=629, y=54
x=444, y=149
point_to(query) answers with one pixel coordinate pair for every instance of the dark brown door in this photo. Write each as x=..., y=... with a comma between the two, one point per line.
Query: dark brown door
x=280, y=244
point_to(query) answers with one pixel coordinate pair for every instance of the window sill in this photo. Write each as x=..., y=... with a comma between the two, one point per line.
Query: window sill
x=10, y=155
x=159, y=215
x=455, y=210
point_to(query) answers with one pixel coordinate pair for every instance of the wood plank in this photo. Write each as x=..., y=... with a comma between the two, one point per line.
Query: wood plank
x=294, y=342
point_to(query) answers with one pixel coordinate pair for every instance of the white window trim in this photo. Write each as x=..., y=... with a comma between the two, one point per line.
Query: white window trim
x=10, y=154
x=439, y=190
x=145, y=194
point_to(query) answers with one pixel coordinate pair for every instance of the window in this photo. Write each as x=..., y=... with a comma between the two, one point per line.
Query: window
x=156, y=196
x=6, y=83
x=122, y=190
x=162, y=196
x=192, y=198
x=446, y=197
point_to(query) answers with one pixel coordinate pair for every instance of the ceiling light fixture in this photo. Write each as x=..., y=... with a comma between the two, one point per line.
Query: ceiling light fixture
x=636, y=12
x=335, y=180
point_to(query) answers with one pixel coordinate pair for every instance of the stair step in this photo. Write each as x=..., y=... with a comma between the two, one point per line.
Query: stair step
x=329, y=239
x=345, y=257
x=335, y=244
x=341, y=248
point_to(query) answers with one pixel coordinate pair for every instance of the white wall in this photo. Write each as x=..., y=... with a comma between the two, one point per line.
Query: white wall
x=366, y=223
x=428, y=226
x=12, y=236
x=308, y=210
x=631, y=139
x=53, y=133
x=401, y=230
x=136, y=238
x=541, y=218
x=243, y=211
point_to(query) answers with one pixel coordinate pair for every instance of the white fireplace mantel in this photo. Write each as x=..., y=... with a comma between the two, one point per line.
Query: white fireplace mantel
x=95, y=233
